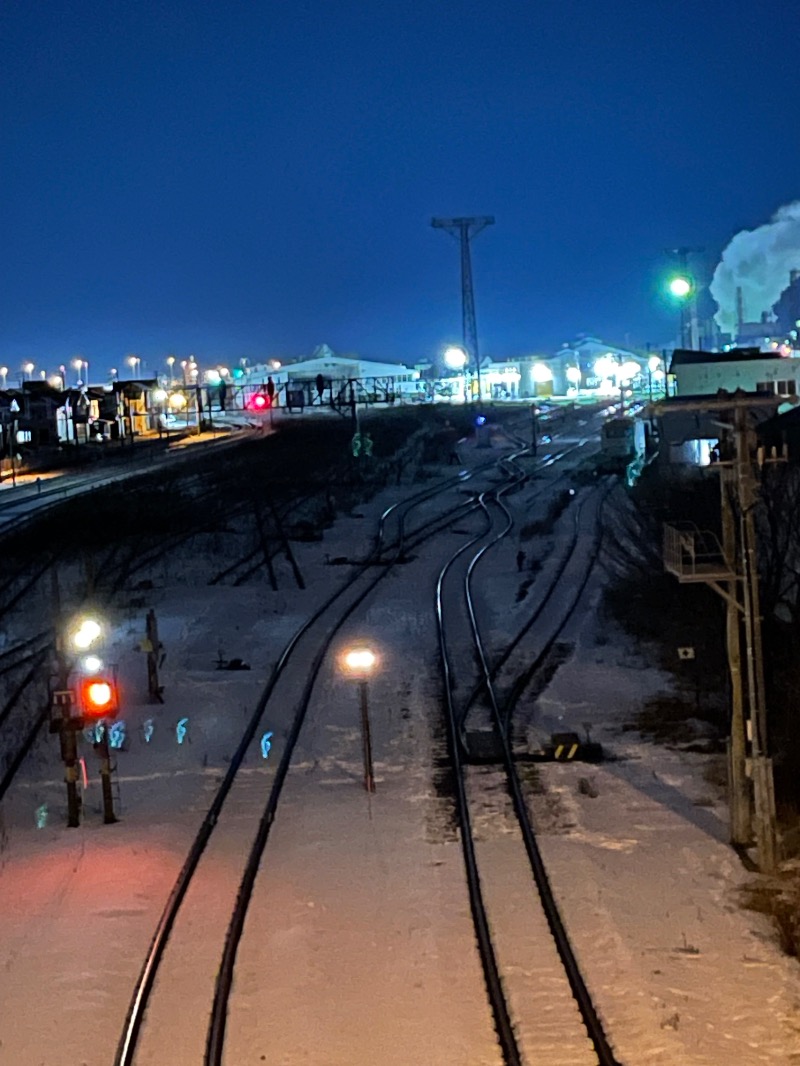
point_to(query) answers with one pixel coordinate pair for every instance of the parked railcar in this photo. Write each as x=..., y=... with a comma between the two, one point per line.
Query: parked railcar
x=623, y=440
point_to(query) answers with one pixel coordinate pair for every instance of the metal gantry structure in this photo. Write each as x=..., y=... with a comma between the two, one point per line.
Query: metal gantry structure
x=464, y=229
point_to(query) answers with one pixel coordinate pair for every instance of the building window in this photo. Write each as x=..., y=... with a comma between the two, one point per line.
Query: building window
x=765, y=386
x=787, y=388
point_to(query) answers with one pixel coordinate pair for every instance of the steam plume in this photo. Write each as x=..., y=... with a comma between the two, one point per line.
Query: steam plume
x=759, y=262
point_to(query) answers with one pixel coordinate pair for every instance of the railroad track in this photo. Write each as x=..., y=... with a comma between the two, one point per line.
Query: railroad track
x=396, y=542
x=239, y=802
x=541, y=1005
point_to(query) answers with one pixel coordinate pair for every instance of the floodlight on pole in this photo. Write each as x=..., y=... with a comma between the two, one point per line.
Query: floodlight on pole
x=680, y=286
x=464, y=229
x=455, y=358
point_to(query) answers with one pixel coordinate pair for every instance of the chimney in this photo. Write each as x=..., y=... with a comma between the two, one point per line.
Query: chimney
x=739, y=308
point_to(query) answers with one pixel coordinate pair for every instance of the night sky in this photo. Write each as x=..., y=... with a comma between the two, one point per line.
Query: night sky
x=245, y=179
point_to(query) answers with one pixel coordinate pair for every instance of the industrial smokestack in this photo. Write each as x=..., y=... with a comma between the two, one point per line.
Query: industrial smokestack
x=739, y=309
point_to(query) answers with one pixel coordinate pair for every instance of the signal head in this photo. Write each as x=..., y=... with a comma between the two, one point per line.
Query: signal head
x=99, y=697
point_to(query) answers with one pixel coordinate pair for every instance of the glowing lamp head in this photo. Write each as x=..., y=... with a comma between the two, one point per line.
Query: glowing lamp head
x=541, y=373
x=86, y=634
x=455, y=358
x=359, y=661
x=680, y=287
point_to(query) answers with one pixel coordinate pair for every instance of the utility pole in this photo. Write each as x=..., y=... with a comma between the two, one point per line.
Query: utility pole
x=763, y=783
x=733, y=573
x=464, y=229
x=740, y=801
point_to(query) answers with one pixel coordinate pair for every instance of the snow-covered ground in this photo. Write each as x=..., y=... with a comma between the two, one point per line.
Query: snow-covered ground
x=358, y=945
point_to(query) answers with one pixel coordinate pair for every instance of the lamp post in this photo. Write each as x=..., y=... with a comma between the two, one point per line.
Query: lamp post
x=62, y=373
x=171, y=364
x=77, y=365
x=653, y=367
x=541, y=374
x=4, y=375
x=627, y=372
x=184, y=364
x=683, y=288
x=133, y=362
x=358, y=663
x=456, y=359
x=12, y=440
x=573, y=374
x=27, y=368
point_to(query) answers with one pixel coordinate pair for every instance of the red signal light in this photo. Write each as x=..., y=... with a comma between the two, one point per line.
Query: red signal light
x=259, y=402
x=99, y=697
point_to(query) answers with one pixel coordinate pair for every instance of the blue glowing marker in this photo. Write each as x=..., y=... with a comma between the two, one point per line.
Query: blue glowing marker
x=266, y=744
x=180, y=729
x=41, y=816
x=116, y=735
x=148, y=729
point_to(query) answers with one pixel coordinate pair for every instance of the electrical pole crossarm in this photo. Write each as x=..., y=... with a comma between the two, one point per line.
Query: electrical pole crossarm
x=474, y=224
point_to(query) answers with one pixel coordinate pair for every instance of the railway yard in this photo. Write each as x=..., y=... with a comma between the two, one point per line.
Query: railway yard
x=399, y=865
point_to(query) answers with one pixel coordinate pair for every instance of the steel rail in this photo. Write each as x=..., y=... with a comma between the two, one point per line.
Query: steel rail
x=494, y=986
x=580, y=991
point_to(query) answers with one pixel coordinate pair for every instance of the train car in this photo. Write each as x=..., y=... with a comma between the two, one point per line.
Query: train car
x=622, y=441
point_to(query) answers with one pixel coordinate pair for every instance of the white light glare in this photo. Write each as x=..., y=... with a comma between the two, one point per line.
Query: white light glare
x=87, y=633
x=455, y=358
x=359, y=660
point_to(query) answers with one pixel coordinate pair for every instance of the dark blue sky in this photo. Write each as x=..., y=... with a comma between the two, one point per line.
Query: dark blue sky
x=253, y=178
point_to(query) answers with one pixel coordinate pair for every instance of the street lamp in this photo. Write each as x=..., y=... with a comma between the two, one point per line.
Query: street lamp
x=184, y=364
x=653, y=367
x=358, y=663
x=78, y=367
x=27, y=368
x=574, y=378
x=4, y=375
x=456, y=359
x=133, y=362
x=540, y=373
x=683, y=288
x=170, y=364
x=62, y=373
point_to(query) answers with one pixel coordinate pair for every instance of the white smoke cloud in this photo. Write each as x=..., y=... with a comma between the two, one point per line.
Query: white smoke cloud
x=757, y=261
